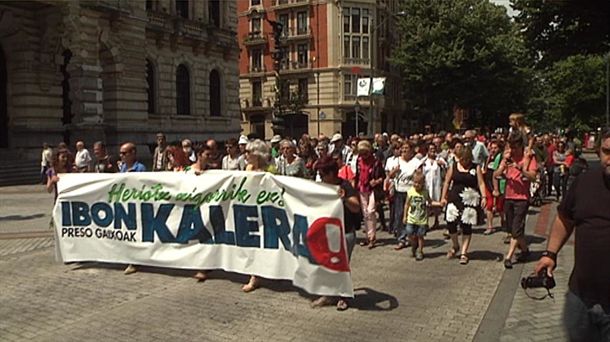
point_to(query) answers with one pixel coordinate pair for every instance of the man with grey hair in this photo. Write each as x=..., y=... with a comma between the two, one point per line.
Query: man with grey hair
x=82, y=161
x=479, y=151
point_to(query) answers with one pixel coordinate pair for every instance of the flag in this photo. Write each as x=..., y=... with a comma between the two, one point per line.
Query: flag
x=364, y=87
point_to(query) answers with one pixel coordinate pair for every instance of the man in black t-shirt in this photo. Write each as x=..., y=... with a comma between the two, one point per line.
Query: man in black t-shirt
x=585, y=209
x=104, y=163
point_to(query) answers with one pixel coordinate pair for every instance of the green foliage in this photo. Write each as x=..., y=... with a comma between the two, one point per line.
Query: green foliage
x=575, y=91
x=554, y=30
x=461, y=52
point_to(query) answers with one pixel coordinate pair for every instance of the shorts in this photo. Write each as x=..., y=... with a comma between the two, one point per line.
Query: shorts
x=416, y=229
x=516, y=212
x=497, y=202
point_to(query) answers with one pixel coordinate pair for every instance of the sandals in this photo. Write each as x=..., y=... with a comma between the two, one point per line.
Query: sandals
x=342, y=305
x=489, y=231
x=464, y=259
x=371, y=244
x=452, y=252
x=400, y=246
x=252, y=285
x=201, y=276
x=322, y=301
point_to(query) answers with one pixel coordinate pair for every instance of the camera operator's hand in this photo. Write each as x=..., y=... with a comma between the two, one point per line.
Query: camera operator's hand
x=545, y=263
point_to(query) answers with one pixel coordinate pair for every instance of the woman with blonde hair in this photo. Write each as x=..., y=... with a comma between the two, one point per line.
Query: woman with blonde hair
x=257, y=156
x=369, y=176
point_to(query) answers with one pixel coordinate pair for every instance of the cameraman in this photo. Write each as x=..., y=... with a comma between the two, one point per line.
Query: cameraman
x=585, y=209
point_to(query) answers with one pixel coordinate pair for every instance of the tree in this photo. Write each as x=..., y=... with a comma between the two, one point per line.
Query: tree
x=575, y=91
x=555, y=30
x=463, y=53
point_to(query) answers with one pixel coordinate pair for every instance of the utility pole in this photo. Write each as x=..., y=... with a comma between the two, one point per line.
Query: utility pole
x=608, y=90
x=278, y=56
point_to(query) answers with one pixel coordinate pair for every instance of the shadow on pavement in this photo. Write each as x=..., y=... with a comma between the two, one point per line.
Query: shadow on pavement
x=20, y=217
x=372, y=300
x=485, y=255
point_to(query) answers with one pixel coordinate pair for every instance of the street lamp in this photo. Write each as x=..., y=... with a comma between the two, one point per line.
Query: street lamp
x=374, y=28
x=357, y=111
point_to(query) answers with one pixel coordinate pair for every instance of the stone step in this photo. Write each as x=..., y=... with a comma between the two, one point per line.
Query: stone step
x=19, y=172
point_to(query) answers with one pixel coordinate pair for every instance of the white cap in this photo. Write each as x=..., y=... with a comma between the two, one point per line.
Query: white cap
x=336, y=137
x=275, y=139
x=243, y=140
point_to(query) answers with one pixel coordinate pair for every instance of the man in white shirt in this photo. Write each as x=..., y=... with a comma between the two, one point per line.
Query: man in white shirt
x=336, y=144
x=82, y=161
x=46, y=161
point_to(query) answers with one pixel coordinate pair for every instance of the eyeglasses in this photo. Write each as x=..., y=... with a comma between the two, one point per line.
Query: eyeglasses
x=124, y=152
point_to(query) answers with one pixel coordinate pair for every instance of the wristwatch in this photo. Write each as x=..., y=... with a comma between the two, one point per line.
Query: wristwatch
x=551, y=255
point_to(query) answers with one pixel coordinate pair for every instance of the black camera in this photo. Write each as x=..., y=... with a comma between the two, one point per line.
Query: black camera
x=541, y=279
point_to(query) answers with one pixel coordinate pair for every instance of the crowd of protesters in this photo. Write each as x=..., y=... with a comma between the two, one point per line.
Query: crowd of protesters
x=471, y=177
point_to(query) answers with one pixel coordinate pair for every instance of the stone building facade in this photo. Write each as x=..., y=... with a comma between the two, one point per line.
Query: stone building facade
x=329, y=45
x=117, y=70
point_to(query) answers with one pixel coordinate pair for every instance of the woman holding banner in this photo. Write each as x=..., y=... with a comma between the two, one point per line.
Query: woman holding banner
x=257, y=155
x=203, y=153
x=61, y=164
x=328, y=169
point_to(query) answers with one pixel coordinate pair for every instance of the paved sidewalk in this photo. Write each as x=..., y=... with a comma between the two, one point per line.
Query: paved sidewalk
x=540, y=320
x=397, y=298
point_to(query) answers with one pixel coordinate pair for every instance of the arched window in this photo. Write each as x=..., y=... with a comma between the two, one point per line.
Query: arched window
x=215, y=93
x=182, y=8
x=150, y=82
x=214, y=12
x=183, y=91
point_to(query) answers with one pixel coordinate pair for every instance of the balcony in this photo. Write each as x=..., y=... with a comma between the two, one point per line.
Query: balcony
x=298, y=33
x=255, y=104
x=256, y=70
x=283, y=4
x=254, y=39
x=357, y=61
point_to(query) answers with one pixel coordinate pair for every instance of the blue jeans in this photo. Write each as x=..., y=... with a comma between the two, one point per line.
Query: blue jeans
x=399, y=209
x=586, y=323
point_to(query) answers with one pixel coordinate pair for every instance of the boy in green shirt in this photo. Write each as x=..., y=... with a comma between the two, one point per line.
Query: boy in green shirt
x=416, y=214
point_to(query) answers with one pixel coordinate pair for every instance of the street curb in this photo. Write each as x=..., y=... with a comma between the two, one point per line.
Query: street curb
x=492, y=324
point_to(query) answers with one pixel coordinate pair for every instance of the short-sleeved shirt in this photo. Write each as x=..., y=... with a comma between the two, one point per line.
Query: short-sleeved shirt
x=417, y=212
x=106, y=165
x=517, y=185
x=502, y=181
x=587, y=204
x=346, y=173
x=136, y=167
x=404, y=178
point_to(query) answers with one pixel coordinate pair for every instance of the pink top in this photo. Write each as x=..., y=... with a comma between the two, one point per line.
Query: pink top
x=517, y=185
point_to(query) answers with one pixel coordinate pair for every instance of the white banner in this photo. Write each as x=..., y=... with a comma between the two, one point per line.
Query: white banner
x=378, y=86
x=247, y=222
x=364, y=86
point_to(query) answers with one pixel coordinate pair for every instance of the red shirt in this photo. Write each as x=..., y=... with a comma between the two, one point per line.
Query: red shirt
x=346, y=173
x=517, y=185
x=549, y=152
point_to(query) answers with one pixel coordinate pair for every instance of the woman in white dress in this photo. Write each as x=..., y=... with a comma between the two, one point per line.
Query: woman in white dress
x=433, y=170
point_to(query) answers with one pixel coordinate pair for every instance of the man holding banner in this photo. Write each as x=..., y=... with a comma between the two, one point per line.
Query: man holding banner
x=130, y=163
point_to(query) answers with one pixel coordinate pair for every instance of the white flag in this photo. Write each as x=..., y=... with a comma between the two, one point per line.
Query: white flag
x=378, y=86
x=364, y=87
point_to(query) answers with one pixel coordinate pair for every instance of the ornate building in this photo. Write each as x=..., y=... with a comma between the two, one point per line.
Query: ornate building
x=117, y=70
x=328, y=45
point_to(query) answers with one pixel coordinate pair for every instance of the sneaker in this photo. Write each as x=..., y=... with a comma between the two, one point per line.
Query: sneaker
x=508, y=264
x=419, y=256
x=130, y=269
